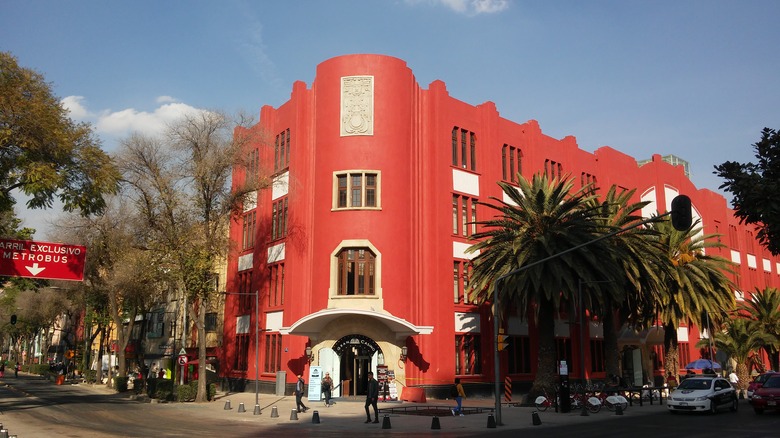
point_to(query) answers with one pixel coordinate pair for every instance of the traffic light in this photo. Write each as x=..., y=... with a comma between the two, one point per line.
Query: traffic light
x=681, y=213
x=503, y=342
x=13, y=319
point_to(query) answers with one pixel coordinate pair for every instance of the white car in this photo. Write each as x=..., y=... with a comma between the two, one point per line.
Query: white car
x=703, y=394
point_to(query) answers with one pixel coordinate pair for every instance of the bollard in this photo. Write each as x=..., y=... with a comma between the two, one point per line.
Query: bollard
x=435, y=423
x=274, y=412
x=315, y=418
x=535, y=418
x=294, y=414
x=386, y=422
x=618, y=409
x=227, y=405
x=491, y=422
x=241, y=407
x=257, y=410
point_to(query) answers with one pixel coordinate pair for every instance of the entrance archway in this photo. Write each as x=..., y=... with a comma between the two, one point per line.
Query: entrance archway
x=358, y=354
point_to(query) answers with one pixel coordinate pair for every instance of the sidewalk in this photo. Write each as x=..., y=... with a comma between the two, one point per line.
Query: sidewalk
x=348, y=416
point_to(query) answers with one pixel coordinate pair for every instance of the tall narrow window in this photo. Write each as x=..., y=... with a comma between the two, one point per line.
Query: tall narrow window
x=370, y=190
x=460, y=272
x=519, y=355
x=282, y=150
x=279, y=219
x=512, y=162
x=356, y=267
x=276, y=284
x=467, y=354
x=357, y=190
x=242, y=352
x=455, y=131
x=464, y=215
x=248, y=230
x=342, y=191
x=464, y=149
x=245, y=295
x=273, y=353
x=473, y=151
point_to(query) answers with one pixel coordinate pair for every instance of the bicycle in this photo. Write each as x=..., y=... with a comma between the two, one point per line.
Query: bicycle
x=592, y=403
x=543, y=402
x=613, y=401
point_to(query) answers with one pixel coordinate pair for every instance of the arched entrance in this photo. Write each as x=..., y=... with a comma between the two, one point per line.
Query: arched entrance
x=358, y=354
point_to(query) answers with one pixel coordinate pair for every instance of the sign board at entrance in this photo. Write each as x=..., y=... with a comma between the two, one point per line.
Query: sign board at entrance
x=56, y=261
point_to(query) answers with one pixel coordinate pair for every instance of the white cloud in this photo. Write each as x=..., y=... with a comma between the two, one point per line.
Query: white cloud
x=76, y=109
x=117, y=124
x=469, y=7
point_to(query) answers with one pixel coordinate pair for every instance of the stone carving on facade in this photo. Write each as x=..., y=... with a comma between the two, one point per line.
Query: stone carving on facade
x=357, y=105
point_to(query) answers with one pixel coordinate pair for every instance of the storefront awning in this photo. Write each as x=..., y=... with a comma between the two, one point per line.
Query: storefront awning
x=311, y=325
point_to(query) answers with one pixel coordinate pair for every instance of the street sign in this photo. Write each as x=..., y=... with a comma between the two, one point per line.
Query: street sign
x=56, y=261
x=182, y=360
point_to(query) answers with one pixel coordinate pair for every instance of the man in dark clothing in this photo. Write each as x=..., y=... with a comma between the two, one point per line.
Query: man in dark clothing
x=299, y=394
x=372, y=396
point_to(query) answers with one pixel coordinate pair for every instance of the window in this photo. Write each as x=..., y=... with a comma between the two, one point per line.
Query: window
x=467, y=359
x=245, y=299
x=155, y=324
x=357, y=190
x=279, y=219
x=253, y=165
x=461, y=270
x=273, y=353
x=511, y=163
x=464, y=149
x=596, y=355
x=464, y=215
x=242, y=352
x=248, y=230
x=282, y=151
x=553, y=169
x=276, y=287
x=356, y=271
x=211, y=322
x=683, y=353
x=586, y=178
x=519, y=355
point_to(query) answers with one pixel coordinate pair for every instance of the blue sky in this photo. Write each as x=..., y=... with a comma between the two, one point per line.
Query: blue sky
x=698, y=79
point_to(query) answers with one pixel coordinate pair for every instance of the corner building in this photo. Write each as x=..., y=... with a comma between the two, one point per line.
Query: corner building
x=357, y=249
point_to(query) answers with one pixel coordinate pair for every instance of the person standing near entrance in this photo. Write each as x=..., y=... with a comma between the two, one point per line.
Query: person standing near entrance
x=327, y=387
x=299, y=394
x=372, y=396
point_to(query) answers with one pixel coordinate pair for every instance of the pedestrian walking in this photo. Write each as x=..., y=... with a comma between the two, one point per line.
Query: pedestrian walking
x=327, y=388
x=458, y=394
x=734, y=380
x=16, y=369
x=299, y=395
x=372, y=396
x=2, y=368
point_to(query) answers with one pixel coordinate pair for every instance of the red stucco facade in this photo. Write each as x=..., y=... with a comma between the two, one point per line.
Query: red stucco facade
x=365, y=116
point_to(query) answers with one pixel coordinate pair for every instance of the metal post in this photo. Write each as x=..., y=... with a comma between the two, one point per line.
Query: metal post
x=257, y=349
x=581, y=308
x=497, y=367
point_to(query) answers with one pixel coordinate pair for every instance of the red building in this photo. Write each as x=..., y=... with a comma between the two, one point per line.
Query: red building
x=357, y=251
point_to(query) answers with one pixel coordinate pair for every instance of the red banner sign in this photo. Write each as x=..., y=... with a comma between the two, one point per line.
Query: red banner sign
x=57, y=261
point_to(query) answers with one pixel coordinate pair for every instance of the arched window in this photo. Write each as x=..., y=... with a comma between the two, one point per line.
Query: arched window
x=356, y=271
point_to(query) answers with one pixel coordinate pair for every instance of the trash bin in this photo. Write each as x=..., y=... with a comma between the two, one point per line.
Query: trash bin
x=564, y=394
x=281, y=381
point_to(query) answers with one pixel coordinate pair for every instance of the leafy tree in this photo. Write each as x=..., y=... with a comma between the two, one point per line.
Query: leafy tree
x=44, y=153
x=544, y=218
x=180, y=185
x=754, y=187
x=696, y=287
x=764, y=309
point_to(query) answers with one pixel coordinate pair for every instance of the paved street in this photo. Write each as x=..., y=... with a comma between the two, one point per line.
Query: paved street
x=34, y=407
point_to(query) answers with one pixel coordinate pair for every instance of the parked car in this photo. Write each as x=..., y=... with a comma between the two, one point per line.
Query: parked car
x=703, y=394
x=757, y=382
x=767, y=397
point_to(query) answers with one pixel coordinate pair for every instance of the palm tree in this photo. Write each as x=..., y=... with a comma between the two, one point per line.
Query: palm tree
x=764, y=308
x=739, y=340
x=643, y=262
x=695, y=286
x=544, y=218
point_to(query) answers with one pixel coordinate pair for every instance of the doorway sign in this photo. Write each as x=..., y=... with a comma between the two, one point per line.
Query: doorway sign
x=315, y=383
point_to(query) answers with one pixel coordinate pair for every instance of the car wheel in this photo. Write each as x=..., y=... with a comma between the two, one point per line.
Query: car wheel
x=713, y=407
x=734, y=405
x=758, y=411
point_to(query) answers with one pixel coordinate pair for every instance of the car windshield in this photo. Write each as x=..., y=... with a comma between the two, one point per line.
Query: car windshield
x=695, y=384
x=773, y=382
x=763, y=378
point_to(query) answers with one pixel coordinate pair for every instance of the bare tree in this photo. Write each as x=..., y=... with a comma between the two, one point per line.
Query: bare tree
x=180, y=184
